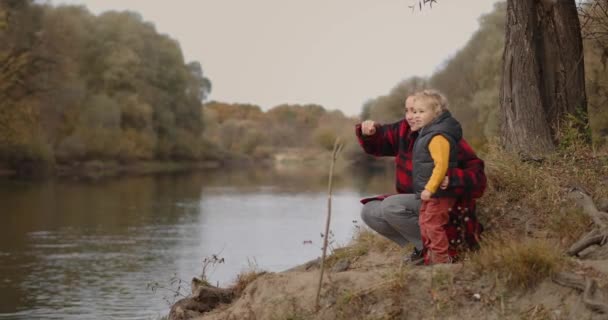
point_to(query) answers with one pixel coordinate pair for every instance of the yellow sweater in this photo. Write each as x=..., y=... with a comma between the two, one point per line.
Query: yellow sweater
x=439, y=147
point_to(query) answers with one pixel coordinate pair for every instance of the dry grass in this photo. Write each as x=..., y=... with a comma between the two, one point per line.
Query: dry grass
x=351, y=305
x=349, y=253
x=520, y=264
x=293, y=312
x=385, y=297
x=538, y=312
x=363, y=242
x=529, y=219
x=370, y=240
x=530, y=196
x=244, y=279
x=568, y=225
x=514, y=185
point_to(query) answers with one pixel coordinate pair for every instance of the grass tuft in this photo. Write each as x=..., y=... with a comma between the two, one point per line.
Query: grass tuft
x=244, y=279
x=363, y=242
x=518, y=263
x=367, y=240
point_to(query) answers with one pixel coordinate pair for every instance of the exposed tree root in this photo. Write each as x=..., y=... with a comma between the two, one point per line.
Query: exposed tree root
x=592, y=299
x=592, y=238
x=597, y=236
x=586, y=203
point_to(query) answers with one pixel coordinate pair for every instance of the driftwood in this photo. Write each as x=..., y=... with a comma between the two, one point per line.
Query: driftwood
x=204, y=298
x=591, y=298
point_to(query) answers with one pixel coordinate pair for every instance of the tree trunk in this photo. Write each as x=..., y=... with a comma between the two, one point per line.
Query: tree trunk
x=543, y=73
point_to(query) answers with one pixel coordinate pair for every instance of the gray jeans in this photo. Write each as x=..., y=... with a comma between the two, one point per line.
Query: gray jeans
x=396, y=218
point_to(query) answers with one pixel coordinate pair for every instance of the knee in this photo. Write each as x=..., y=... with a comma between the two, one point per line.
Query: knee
x=368, y=212
x=365, y=212
x=400, y=205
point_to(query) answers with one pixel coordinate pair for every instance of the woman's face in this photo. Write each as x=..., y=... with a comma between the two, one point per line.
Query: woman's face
x=409, y=114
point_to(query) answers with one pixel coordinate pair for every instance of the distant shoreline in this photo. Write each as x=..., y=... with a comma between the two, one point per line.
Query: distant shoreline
x=97, y=169
x=286, y=159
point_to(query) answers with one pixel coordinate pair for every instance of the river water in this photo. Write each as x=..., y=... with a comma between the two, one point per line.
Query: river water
x=97, y=249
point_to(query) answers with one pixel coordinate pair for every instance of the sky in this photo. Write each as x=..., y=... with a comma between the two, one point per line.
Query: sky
x=335, y=53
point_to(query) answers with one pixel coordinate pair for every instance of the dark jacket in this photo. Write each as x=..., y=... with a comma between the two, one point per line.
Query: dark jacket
x=423, y=163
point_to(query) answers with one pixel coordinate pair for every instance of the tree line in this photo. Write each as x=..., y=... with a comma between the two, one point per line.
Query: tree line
x=78, y=87
x=75, y=87
x=245, y=130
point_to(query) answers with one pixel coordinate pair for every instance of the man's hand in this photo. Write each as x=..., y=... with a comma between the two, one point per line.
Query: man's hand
x=426, y=195
x=445, y=183
x=368, y=128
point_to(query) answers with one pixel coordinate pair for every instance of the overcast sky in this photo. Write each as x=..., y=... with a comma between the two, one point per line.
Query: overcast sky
x=336, y=53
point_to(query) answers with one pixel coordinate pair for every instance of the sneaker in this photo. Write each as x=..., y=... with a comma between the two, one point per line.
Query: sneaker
x=416, y=258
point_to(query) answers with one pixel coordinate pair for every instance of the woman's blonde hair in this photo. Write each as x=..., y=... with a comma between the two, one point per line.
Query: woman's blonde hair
x=433, y=99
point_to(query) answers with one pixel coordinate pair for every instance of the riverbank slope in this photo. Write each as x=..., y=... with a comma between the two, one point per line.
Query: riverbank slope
x=532, y=223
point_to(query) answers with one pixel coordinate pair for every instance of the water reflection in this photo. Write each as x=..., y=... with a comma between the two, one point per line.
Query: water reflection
x=86, y=250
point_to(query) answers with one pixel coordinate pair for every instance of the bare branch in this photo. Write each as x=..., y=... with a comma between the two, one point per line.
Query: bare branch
x=421, y=4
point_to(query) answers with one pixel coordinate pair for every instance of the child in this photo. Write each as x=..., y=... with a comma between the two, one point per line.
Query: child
x=434, y=152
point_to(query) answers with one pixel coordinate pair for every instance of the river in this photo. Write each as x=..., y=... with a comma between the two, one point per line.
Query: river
x=73, y=249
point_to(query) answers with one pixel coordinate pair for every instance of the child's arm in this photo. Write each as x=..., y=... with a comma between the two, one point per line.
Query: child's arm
x=439, y=147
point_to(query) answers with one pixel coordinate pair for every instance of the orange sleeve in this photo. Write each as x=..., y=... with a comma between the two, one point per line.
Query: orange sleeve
x=439, y=147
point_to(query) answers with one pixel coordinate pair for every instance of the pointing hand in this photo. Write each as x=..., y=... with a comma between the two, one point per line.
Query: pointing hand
x=368, y=128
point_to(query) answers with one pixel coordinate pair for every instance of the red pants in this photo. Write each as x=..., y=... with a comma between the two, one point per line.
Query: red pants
x=434, y=216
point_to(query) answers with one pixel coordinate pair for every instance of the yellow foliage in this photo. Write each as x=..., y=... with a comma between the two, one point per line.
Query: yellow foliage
x=225, y=111
x=137, y=145
x=3, y=19
x=16, y=123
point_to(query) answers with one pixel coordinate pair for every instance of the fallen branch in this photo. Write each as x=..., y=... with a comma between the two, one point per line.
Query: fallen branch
x=337, y=148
